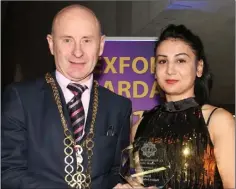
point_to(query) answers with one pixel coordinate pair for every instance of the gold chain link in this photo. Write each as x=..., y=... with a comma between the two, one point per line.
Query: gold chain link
x=76, y=180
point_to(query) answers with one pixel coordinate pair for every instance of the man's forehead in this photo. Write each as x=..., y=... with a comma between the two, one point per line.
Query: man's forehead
x=78, y=13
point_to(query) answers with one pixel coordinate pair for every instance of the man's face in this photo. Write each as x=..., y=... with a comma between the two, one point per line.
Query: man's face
x=76, y=44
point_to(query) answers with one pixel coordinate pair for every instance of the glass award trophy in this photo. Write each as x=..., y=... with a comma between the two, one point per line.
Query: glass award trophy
x=145, y=163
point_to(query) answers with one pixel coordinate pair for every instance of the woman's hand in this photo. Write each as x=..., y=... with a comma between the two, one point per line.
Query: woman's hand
x=122, y=186
x=128, y=186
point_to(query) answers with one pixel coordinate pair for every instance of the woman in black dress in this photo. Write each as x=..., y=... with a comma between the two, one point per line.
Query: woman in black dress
x=198, y=138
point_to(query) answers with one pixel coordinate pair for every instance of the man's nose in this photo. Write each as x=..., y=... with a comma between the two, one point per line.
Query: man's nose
x=77, y=51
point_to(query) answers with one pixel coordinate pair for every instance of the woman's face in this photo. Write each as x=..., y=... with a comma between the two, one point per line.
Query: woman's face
x=176, y=69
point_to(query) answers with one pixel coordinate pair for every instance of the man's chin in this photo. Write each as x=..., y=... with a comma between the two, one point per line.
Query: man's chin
x=79, y=78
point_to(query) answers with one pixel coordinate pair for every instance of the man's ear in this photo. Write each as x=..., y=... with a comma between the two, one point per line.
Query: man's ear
x=50, y=43
x=200, y=66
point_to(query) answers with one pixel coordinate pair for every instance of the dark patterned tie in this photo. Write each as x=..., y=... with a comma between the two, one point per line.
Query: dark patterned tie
x=76, y=110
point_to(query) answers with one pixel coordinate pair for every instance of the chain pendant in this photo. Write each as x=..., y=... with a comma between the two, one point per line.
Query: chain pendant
x=79, y=157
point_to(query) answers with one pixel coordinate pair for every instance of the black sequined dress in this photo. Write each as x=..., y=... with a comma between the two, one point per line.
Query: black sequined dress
x=183, y=134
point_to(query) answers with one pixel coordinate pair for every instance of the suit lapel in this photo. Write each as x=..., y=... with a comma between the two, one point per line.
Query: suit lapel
x=101, y=118
x=63, y=102
x=54, y=127
x=89, y=115
x=52, y=109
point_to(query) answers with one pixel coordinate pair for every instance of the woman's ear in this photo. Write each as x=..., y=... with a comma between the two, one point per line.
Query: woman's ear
x=200, y=66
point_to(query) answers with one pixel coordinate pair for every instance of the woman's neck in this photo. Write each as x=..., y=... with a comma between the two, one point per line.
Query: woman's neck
x=174, y=98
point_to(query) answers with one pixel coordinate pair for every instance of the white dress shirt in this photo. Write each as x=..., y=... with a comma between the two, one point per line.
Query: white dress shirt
x=63, y=82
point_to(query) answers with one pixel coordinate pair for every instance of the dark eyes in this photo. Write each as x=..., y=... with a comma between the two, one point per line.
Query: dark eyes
x=161, y=61
x=165, y=61
x=67, y=40
x=181, y=61
x=86, y=40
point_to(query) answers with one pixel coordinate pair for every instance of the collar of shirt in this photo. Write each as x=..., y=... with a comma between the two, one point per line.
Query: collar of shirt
x=63, y=82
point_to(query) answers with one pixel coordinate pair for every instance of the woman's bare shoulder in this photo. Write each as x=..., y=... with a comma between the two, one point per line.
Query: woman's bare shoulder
x=219, y=113
x=220, y=121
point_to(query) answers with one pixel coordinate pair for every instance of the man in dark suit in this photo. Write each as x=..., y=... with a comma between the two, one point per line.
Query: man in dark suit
x=64, y=130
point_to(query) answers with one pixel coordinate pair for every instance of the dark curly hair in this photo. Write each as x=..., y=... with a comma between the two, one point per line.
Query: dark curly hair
x=203, y=84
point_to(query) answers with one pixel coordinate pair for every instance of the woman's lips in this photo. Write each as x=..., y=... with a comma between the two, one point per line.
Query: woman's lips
x=171, y=81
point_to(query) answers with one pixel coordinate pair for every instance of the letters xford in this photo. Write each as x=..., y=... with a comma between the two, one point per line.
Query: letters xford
x=117, y=65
